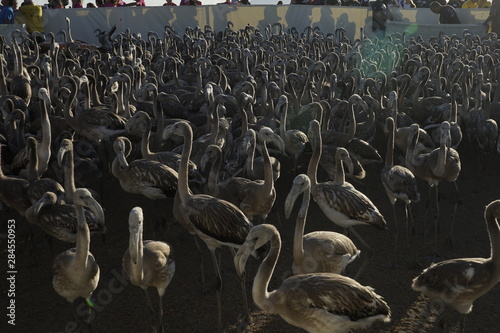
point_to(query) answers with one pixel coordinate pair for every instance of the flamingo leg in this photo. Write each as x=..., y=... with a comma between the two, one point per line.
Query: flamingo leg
x=160, y=316
x=83, y=324
x=243, y=280
x=354, y=232
x=436, y=224
x=245, y=298
x=449, y=241
x=202, y=263
x=396, y=232
x=218, y=286
x=406, y=223
x=413, y=228
x=462, y=324
x=444, y=317
x=150, y=304
x=427, y=204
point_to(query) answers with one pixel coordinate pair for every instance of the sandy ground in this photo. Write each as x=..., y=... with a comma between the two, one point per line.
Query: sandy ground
x=188, y=307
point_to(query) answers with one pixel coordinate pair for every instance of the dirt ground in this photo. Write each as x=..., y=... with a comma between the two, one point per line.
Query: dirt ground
x=121, y=307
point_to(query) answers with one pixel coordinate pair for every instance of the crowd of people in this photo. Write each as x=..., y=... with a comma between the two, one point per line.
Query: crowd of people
x=399, y=3
x=54, y=4
x=380, y=9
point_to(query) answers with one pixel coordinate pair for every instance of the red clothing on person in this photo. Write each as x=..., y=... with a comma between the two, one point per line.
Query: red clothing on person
x=190, y=3
x=140, y=3
x=77, y=5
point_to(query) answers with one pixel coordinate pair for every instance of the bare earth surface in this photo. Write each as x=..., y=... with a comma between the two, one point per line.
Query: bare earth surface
x=121, y=307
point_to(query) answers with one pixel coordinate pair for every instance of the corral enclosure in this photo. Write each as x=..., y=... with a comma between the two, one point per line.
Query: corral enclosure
x=419, y=21
x=121, y=307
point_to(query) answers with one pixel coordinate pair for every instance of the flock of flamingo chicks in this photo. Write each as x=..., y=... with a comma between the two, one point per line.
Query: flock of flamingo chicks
x=209, y=120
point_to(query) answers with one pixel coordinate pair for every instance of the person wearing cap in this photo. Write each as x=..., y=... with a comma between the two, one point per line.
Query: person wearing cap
x=447, y=14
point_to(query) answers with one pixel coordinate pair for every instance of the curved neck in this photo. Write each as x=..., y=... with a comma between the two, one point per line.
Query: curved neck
x=3, y=82
x=454, y=108
x=412, y=158
x=32, y=170
x=405, y=84
x=263, y=98
x=351, y=133
x=126, y=89
x=283, y=116
x=250, y=157
x=300, y=222
x=44, y=148
x=439, y=168
x=339, y=172
x=244, y=122
x=182, y=185
x=69, y=176
x=418, y=91
x=86, y=95
x=213, y=177
x=494, y=234
x=136, y=251
x=389, y=157
x=268, y=170
x=82, y=237
x=93, y=91
x=19, y=131
x=214, y=124
x=68, y=115
x=312, y=168
x=160, y=124
x=352, y=124
x=120, y=166
x=265, y=272
x=145, y=151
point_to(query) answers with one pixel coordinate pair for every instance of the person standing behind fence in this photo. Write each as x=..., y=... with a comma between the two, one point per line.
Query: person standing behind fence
x=55, y=4
x=470, y=4
x=33, y=14
x=405, y=4
x=447, y=14
x=77, y=4
x=494, y=17
x=7, y=13
x=169, y=3
x=476, y=4
x=455, y=3
x=380, y=15
x=483, y=4
x=190, y=3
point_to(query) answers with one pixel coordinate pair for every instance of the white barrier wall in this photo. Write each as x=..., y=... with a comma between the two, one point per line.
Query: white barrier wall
x=142, y=20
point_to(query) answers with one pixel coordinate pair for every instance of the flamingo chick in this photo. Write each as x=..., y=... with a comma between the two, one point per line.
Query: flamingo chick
x=76, y=273
x=316, y=302
x=148, y=263
x=318, y=251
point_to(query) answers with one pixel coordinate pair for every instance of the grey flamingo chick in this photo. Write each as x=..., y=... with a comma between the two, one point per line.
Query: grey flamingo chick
x=315, y=302
x=148, y=263
x=76, y=273
x=318, y=251
x=459, y=282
